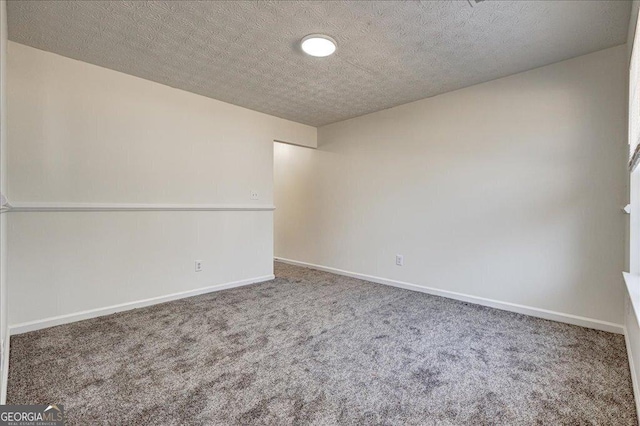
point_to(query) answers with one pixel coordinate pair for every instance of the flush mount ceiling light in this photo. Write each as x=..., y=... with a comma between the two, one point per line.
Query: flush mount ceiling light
x=318, y=45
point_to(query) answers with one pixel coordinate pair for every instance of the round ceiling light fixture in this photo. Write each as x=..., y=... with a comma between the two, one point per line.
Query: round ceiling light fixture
x=318, y=45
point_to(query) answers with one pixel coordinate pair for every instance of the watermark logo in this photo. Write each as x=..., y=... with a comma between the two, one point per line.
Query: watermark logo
x=31, y=415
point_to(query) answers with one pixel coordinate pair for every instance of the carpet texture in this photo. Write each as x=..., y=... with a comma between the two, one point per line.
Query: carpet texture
x=315, y=348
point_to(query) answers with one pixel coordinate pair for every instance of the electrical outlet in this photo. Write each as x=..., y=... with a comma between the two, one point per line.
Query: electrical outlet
x=198, y=265
x=254, y=195
x=399, y=260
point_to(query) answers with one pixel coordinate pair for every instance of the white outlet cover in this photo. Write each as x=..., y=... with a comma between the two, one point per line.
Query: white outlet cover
x=198, y=266
x=399, y=260
x=254, y=195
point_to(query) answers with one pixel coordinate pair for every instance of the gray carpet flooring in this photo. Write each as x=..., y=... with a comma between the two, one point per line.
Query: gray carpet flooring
x=315, y=348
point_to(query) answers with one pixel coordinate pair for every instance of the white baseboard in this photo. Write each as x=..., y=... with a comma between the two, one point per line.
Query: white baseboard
x=634, y=378
x=505, y=306
x=93, y=313
x=5, y=370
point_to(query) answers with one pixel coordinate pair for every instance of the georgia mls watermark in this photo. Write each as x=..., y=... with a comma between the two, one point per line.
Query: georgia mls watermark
x=31, y=415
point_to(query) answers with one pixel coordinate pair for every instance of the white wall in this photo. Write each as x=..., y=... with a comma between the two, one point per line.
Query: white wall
x=3, y=189
x=509, y=190
x=632, y=326
x=84, y=134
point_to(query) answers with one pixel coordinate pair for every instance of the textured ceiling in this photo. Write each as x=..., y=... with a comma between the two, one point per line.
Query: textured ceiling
x=389, y=53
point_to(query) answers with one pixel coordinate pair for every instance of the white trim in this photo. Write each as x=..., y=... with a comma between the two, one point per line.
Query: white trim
x=295, y=144
x=632, y=371
x=25, y=327
x=632, y=282
x=107, y=207
x=5, y=370
x=505, y=306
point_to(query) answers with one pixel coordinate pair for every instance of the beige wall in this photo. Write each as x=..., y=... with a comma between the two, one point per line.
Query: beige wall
x=87, y=135
x=509, y=190
x=81, y=133
x=3, y=188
